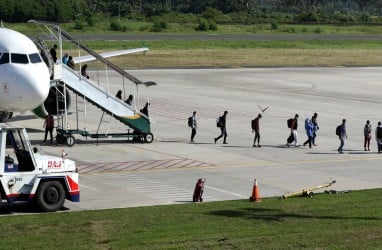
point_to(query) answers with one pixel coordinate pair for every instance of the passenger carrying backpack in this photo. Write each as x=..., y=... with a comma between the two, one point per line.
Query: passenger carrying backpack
x=379, y=132
x=189, y=121
x=338, y=130
x=290, y=122
x=253, y=123
x=218, y=122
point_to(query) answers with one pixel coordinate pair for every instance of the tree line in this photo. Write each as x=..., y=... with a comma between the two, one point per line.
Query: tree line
x=223, y=11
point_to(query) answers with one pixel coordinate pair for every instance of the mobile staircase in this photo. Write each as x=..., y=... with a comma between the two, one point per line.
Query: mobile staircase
x=67, y=78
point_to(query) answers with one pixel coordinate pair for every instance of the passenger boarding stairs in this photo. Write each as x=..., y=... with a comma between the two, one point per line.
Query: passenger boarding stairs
x=100, y=97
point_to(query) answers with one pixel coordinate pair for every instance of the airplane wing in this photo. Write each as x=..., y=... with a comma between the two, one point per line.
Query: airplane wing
x=89, y=58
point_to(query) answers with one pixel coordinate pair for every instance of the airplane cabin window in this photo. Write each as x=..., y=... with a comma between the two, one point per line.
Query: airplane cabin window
x=4, y=58
x=19, y=58
x=35, y=58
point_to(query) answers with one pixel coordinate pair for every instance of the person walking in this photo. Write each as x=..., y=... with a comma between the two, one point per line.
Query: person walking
x=119, y=94
x=193, y=125
x=309, y=132
x=342, y=135
x=315, y=128
x=49, y=125
x=65, y=58
x=367, y=135
x=53, y=53
x=145, y=109
x=378, y=136
x=84, y=71
x=129, y=100
x=293, y=125
x=70, y=62
x=223, y=129
x=256, y=129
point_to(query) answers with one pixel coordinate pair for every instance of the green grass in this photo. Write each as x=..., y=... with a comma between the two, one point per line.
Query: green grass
x=234, y=53
x=236, y=44
x=219, y=53
x=342, y=221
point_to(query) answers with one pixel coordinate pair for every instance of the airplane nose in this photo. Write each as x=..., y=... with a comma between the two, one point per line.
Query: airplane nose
x=36, y=83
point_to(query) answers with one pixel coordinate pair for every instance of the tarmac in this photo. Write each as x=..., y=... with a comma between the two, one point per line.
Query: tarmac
x=116, y=173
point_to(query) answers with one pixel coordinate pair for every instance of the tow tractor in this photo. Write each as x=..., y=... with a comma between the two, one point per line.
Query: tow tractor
x=28, y=177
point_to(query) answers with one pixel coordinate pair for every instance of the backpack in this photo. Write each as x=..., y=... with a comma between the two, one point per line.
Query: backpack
x=338, y=130
x=379, y=132
x=253, y=123
x=290, y=122
x=218, y=122
x=368, y=129
x=189, y=122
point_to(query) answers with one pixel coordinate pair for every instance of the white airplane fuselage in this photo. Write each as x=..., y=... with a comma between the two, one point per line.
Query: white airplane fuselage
x=24, y=77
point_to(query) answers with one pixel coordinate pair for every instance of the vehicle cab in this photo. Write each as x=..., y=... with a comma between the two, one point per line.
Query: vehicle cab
x=25, y=175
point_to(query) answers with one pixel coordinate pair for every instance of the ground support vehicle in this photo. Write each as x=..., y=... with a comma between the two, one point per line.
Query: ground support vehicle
x=28, y=177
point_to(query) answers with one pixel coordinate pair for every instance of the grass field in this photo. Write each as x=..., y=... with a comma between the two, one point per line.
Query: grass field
x=237, y=53
x=343, y=221
x=170, y=54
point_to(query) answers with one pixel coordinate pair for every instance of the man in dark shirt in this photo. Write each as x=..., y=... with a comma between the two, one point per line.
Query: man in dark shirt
x=53, y=53
x=256, y=129
x=342, y=136
x=293, y=131
x=49, y=125
x=223, y=129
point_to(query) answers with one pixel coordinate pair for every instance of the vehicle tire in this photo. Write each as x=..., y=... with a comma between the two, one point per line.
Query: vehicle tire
x=70, y=140
x=60, y=138
x=50, y=196
x=149, y=138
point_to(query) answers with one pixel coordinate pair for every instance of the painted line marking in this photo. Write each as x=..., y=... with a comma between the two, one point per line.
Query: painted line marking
x=226, y=192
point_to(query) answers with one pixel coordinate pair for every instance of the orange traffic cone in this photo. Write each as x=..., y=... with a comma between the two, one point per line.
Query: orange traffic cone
x=255, y=193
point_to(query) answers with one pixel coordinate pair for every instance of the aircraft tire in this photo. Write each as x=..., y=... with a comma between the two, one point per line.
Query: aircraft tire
x=149, y=138
x=50, y=196
x=70, y=140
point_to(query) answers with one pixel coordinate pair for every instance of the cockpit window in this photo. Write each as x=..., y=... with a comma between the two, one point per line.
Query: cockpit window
x=34, y=58
x=19, y=58
x=4, y=58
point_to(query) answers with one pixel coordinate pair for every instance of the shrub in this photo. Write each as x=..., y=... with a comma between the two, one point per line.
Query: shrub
x=211, y=14
x=274, y=26
x=308, y=17
x=144, y=28
x=203, y=25
x=116, y=26
x=90, y=21
x=317, y=30
x=343, y=17
x=212, y=26
x=365, y=17
x=78, y=25
x=159, y=25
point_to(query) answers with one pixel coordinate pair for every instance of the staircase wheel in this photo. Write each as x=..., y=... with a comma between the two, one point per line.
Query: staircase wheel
x=149, y=138
x=60, y=138
x=70, y=140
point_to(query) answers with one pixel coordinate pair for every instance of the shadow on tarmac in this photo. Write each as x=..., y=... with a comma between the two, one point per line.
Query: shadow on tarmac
x=12, y=209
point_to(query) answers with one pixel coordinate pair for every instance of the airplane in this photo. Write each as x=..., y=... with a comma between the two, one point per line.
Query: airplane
x=25, y=77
